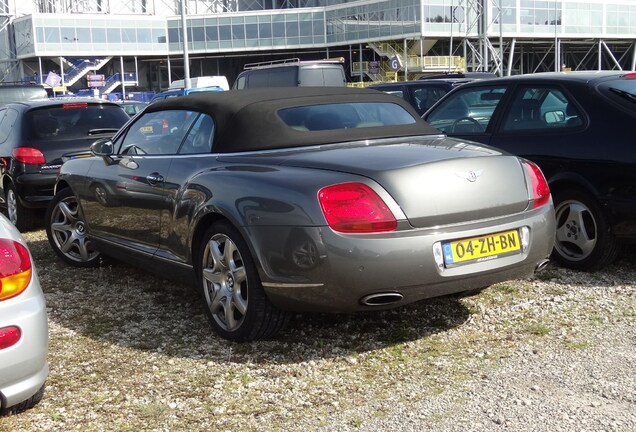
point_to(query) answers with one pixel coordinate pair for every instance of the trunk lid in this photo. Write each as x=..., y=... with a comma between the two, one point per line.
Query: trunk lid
x=435, y=180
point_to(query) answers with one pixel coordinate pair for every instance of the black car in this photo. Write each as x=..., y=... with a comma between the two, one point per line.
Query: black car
x=421, y=94
x=579, y=128
x=132, y=107
x=312, y=199
x=424, y=92
x=36, y=138
x=461, y=75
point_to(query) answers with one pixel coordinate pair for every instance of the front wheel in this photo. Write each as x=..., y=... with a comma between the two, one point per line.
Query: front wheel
x=584, y=239
x=235, y=301
x=66, y=231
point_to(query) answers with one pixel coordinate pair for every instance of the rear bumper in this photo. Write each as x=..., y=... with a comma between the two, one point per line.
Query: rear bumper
x=23, y=366
x=35, y=190
x=316, y=269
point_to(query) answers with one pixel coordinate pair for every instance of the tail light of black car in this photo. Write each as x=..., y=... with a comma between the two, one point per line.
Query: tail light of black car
x=540, y=190
x=355, y=208
x=29, y=155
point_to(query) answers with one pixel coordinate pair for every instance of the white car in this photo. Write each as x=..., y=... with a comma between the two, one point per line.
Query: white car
x=23, y=325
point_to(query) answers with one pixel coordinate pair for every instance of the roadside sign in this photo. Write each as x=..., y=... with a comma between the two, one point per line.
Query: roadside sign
x=395, y=64
x=374, y=67
x=96, y=80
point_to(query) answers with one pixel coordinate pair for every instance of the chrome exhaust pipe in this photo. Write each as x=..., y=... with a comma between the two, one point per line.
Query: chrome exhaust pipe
x=381, y=299
x=542, y=265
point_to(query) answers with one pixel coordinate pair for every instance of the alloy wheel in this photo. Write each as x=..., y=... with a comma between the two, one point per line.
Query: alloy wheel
x=69, y=232
x=576, y=233
x=225, y=282
x=12, y=206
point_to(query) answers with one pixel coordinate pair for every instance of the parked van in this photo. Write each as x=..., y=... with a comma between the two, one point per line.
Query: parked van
x=292, y=73
x=21, y=93
x=204, y=81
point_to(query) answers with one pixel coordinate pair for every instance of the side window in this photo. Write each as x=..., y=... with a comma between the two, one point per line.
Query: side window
x=541, y=108
x=5, y=125
x=468, y=110
x=425, y=97
x=157, y=133
x=344, y=116
x=201, y=136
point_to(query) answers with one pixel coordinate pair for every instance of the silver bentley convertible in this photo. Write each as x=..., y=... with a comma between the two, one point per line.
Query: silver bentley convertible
x=307, y=199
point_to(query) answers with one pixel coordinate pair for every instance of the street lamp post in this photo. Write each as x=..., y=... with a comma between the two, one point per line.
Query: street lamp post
x=184, y=38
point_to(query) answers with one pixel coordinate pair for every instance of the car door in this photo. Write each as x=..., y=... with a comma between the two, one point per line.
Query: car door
x=125, y=198
x=183, y=192
x=541, y=123
x=469, y=112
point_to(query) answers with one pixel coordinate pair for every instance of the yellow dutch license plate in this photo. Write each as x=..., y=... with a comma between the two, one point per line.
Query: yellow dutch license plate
x=476, y=249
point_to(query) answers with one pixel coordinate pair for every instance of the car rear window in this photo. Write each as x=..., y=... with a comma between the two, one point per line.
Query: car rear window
x=621, y=90
x=73, y=120
x=344, y=116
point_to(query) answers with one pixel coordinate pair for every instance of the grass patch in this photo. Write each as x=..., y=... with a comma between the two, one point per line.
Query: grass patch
x=152, y=410
x=537, y=329
x=577, y=345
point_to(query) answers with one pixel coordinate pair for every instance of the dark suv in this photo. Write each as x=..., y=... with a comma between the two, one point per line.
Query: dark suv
x=36, y=137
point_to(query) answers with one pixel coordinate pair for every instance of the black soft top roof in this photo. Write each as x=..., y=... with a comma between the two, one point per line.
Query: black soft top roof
x=247, y=120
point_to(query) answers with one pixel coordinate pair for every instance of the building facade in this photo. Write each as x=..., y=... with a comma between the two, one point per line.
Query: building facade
x=140, y=42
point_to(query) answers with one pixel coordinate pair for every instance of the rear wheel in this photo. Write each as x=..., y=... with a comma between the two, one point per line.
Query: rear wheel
x=23, y=218
x=584, y=239
x=66, y=231
x=235, y=301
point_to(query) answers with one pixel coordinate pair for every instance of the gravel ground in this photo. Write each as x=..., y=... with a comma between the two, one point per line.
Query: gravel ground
x=131, y=352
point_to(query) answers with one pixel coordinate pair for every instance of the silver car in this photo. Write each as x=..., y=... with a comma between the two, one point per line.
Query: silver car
x=23, y=325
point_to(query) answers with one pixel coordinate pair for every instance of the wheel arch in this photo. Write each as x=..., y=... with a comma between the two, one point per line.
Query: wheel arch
x=569, y=180
x=60, y=185
x=208, y=220
x=197, y=234
x=5, y=182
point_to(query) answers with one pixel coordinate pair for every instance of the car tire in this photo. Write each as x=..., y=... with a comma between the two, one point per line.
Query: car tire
x=233, y=296
x=24, y=405
x=584, y=239
x=23, y=218
x=66, y=231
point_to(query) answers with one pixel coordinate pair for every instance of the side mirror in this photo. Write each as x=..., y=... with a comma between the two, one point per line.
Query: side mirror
x=552, y=117
x=103, y=148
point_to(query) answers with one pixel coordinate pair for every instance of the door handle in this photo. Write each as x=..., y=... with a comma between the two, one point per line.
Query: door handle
x=154, y=178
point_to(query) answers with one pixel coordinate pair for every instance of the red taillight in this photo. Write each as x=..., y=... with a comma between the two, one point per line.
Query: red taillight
x=29, y=155
x=9, y=336
x=355, y=208
x=15, y=268
x=538, y=183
